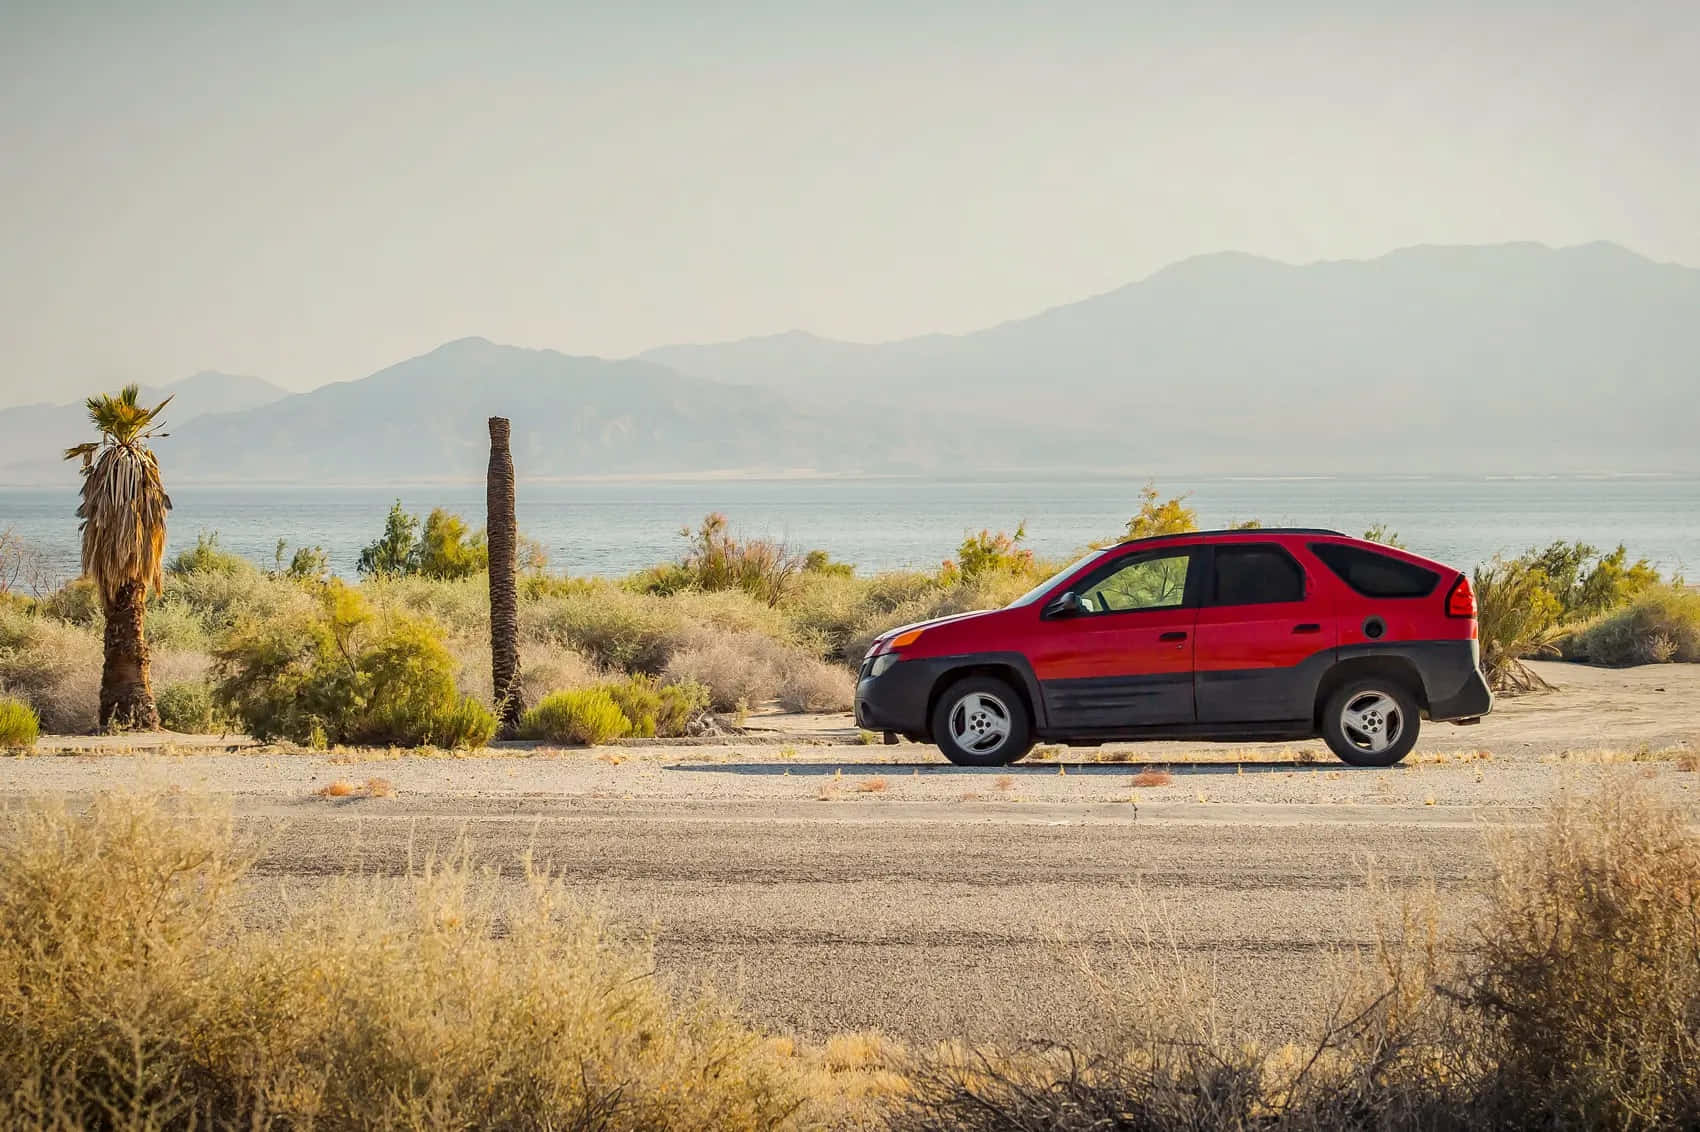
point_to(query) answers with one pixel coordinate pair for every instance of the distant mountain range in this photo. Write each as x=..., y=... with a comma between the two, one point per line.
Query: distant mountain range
x=1513, y=358
x=33, y=438
x=1506, y=358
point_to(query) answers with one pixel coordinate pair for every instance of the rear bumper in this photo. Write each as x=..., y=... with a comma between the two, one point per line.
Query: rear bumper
x=1454, y=682
x=897, y=699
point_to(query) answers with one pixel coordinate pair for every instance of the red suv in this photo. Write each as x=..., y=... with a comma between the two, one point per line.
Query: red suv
x=1264, y=634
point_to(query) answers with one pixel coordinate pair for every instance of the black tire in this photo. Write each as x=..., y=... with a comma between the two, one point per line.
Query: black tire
x=986, y=706
x=1382, y=711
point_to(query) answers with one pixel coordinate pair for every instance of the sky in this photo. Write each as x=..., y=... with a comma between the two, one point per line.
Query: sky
x=310, y=191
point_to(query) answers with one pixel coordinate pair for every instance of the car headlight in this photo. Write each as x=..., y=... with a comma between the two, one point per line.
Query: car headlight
x=883, y=662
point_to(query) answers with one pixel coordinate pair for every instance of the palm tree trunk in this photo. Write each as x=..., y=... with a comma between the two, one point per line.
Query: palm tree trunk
x=504, y=593
x=126, y=696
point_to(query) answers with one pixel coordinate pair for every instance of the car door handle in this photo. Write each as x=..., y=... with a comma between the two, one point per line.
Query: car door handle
x=1172, y=637
x=1308, y=627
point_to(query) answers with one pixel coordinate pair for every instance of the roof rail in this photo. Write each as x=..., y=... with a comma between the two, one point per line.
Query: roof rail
x=1240, y=531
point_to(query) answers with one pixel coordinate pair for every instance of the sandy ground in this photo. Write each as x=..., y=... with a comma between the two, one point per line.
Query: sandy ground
x=835, y=885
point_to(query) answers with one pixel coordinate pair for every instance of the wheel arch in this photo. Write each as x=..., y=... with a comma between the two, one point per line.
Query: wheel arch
x=1386, y=666
x=1011, y=669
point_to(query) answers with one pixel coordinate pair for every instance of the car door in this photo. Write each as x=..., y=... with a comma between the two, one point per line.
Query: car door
x=1263, y=638
x=1124, y=659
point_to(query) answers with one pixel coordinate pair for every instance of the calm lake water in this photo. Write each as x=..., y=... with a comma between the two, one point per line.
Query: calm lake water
x=613, y=528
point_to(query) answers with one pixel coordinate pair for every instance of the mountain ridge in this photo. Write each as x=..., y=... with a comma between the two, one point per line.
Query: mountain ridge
x=1506, y=358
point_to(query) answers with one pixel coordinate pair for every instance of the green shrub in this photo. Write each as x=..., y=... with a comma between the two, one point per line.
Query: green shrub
x=187, y=706
x=76, y=603
x=1516, y=617
x=718, y=560
x=349, y=676
x=1158, y=516
x=1588, y=583
x=656, y=709
x=820, y=562
x=990, y=553
x=207, y=557
x=615, y=628
x=586, y=716
x=639, y=700
x=307, y=564
x=680, y=703
x=19, y=725
x=1381, y=533
x=446, y=549
x=1661, y=624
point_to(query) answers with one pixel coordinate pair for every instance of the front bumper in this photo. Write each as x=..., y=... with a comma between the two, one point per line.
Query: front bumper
x=897, y=699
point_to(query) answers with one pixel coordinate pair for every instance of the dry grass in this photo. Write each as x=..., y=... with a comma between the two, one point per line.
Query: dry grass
x=134, y=999
x=872, y=786
x=1153, y=778
x=343, y=788
x=1570, y=1002
x=1611, y=756
x=1444, y=758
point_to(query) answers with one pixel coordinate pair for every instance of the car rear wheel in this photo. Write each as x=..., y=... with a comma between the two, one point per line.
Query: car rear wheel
x=1371, y=722
x=981, y=721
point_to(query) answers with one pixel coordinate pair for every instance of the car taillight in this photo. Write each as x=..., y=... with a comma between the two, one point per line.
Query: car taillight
x=1461, y=602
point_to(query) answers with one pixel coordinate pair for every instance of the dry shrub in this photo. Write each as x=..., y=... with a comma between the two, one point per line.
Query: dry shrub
x=1151, y=777
x=543, y=668
x=872, y=786
x=1574, y=1002
x=133, y=998
x=806, y=684
x=731, y=670
x=1588, y=966
x=341, y=788
x=1659, y=626
x=54, y=667
x=755, y=669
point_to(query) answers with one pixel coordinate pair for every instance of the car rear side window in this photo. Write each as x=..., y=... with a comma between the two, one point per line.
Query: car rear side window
x=1376, y=575
x=1255, y=575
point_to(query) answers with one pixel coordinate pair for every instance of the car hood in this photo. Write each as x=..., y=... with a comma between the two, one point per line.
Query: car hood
x=881, y=640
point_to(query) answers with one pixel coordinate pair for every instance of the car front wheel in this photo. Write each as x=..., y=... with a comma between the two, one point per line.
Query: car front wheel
x=981, y=721
x=1371, y=722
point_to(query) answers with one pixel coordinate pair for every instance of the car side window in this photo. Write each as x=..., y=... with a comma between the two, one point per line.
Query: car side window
x=1255, y=575
x=1141, y=582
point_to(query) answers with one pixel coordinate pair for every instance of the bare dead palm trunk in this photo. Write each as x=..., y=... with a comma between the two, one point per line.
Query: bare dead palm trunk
x=126, y=695
x=504, y=593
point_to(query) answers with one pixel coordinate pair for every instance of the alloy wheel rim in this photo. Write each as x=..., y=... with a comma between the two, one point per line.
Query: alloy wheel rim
x=980, y=723
x=1372, y=721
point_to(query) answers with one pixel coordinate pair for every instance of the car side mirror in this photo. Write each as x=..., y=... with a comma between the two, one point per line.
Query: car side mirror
x=1063, y=605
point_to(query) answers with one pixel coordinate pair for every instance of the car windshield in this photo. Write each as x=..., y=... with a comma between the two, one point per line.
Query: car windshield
x=1039, y=590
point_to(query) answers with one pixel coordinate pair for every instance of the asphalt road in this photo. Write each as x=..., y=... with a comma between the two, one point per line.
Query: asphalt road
x=930, y=922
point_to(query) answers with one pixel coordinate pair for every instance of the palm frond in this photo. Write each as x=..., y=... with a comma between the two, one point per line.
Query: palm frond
x=124, y=503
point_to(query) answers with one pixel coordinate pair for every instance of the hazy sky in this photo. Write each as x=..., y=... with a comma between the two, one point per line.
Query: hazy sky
x=307, y=193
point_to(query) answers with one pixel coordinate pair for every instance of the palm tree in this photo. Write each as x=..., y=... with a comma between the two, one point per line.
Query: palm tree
x=123, y=513
x=504, y=593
